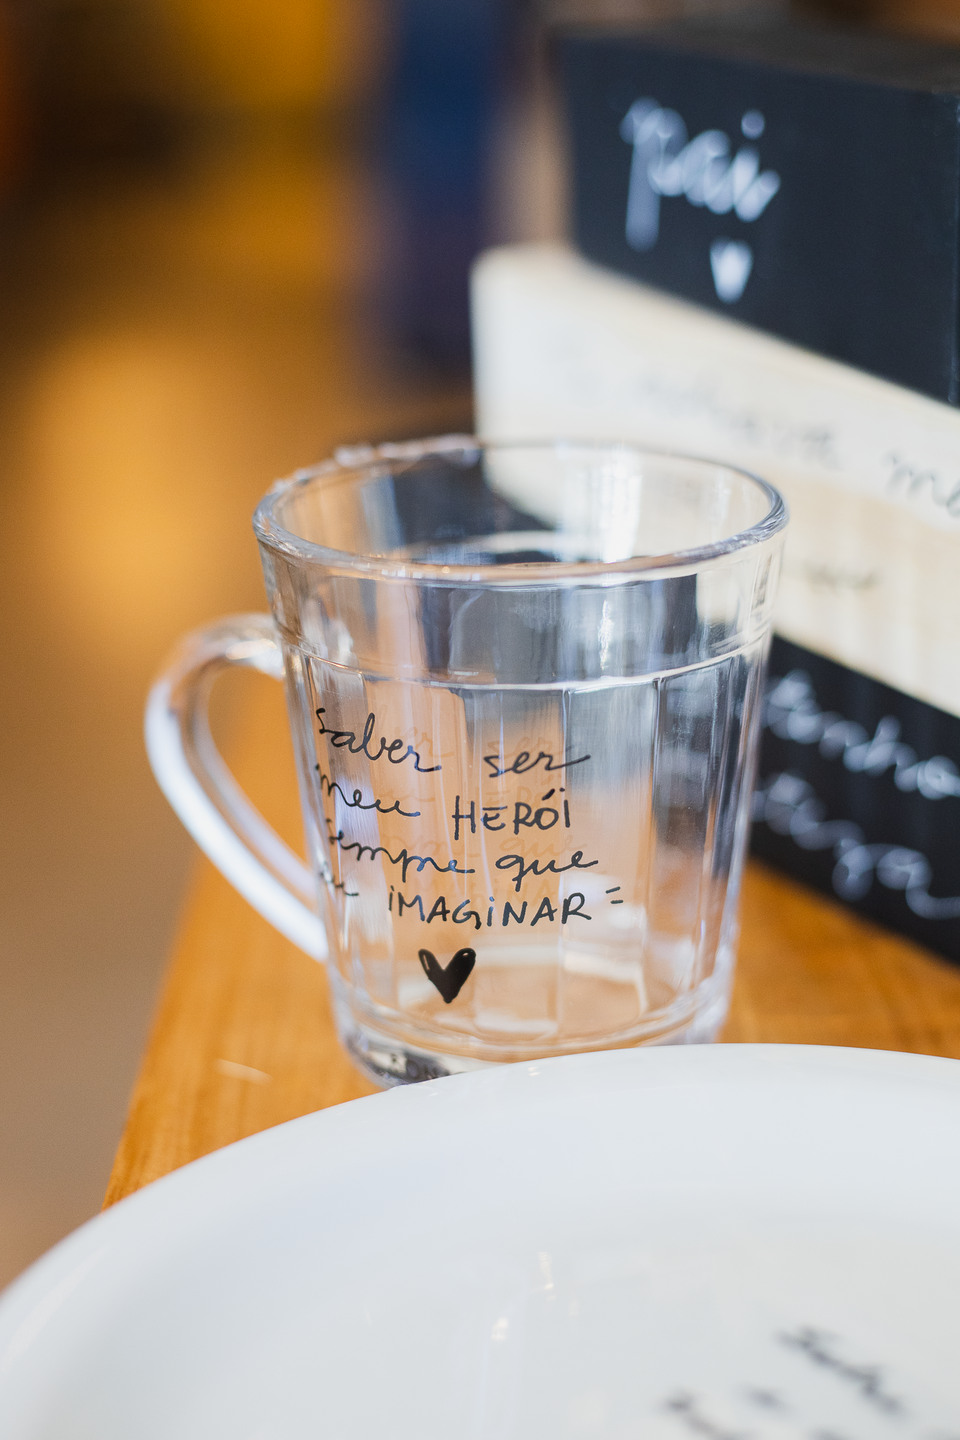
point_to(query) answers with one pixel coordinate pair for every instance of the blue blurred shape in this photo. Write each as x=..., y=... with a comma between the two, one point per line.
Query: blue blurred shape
x=434, y=141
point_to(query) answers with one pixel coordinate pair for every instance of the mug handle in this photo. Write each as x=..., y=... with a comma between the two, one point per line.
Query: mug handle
x=192, y=775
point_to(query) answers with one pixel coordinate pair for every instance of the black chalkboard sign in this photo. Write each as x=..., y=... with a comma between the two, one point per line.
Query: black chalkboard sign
x=859, y=795
x=803, y=179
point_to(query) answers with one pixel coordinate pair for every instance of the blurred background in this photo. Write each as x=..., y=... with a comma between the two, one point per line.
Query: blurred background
x=233, y=234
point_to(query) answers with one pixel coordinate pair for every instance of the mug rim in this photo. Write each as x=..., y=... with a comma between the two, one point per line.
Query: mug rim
x=357, y=459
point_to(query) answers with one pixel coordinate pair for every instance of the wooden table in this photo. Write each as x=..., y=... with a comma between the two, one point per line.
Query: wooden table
x=244, y=1037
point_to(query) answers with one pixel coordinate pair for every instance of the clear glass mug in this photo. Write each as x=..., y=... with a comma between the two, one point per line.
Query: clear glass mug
x=524, y=687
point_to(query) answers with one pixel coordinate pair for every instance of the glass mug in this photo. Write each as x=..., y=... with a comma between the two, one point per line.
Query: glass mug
x=524, y=684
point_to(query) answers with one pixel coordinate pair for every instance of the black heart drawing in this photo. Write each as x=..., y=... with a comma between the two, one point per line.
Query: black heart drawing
x=451, y=979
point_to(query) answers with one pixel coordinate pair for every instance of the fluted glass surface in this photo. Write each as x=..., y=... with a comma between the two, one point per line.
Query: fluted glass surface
x=524, y=685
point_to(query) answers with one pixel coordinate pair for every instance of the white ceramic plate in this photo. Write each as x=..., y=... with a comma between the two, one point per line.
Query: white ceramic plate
x=730, y=1242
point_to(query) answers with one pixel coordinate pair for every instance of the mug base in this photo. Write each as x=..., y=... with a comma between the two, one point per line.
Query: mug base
x=387, y=1061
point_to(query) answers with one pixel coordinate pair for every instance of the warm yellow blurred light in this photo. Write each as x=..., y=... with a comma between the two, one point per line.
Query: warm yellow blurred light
x=250, y=55
x=133, y=485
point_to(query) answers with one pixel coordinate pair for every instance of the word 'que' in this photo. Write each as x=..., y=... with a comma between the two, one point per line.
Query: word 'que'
x=666, y=163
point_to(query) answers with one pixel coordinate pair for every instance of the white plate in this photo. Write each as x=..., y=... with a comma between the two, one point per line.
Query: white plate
x=721, y=1242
